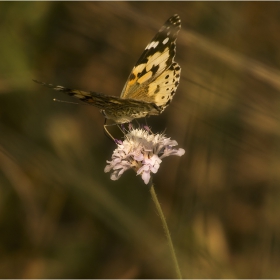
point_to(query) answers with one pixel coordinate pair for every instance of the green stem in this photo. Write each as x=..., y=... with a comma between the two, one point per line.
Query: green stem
x=166, y=230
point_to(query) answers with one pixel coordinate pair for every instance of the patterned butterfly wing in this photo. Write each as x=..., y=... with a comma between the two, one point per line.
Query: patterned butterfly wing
x=114, y=108
x=155, y=77
x=151, y=84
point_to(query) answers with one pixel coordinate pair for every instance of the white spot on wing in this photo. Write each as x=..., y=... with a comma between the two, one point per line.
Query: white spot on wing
x=152, y=45
x=165, y=40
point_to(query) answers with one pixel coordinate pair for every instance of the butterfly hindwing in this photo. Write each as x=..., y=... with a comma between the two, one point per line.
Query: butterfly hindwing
x=155, y=60
x=163, y=88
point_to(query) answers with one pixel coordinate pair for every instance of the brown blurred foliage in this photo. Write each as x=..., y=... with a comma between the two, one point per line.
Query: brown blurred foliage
x=62, y=217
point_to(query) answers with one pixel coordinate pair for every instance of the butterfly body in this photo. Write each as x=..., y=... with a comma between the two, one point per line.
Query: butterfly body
x=133, y=109
x=151, y=84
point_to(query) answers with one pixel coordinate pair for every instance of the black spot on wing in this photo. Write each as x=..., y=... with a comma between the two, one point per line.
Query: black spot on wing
x=132, y=77
x=157, y=89
x=154, y=70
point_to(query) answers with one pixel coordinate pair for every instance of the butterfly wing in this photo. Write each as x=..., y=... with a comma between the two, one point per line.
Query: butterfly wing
x=155, y=77
x=151, y=84
x=114, y=108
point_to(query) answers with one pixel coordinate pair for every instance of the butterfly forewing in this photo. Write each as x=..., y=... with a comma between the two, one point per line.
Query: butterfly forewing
x=143, y=83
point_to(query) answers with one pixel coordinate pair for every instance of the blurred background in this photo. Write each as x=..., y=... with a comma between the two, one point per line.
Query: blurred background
x=62, y=217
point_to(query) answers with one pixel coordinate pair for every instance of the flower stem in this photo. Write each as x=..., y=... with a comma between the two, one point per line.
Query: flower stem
x=166, y=230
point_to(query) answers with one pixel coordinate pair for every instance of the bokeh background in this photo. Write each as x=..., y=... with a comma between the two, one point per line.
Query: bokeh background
x=62, y=217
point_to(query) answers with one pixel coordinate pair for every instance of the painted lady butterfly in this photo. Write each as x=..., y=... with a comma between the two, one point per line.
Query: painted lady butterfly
x=151, y=84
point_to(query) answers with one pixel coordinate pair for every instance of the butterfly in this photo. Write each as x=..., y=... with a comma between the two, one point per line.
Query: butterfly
x=151, y=84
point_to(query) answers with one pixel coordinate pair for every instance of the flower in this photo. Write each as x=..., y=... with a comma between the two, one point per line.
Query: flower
x=142, y=151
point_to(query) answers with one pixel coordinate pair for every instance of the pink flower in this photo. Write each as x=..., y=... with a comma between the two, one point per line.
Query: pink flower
x=143, y=151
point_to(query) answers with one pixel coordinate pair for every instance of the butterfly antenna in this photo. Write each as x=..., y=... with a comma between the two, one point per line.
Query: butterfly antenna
x=69, y=102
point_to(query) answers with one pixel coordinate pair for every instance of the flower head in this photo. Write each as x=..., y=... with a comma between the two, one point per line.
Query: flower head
x=143, y=151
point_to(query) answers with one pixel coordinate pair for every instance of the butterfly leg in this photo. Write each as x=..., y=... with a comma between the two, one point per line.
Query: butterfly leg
x=121, y=127
x=107, y=133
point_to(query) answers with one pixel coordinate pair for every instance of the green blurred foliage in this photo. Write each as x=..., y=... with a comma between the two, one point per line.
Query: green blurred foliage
x=62, y=217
